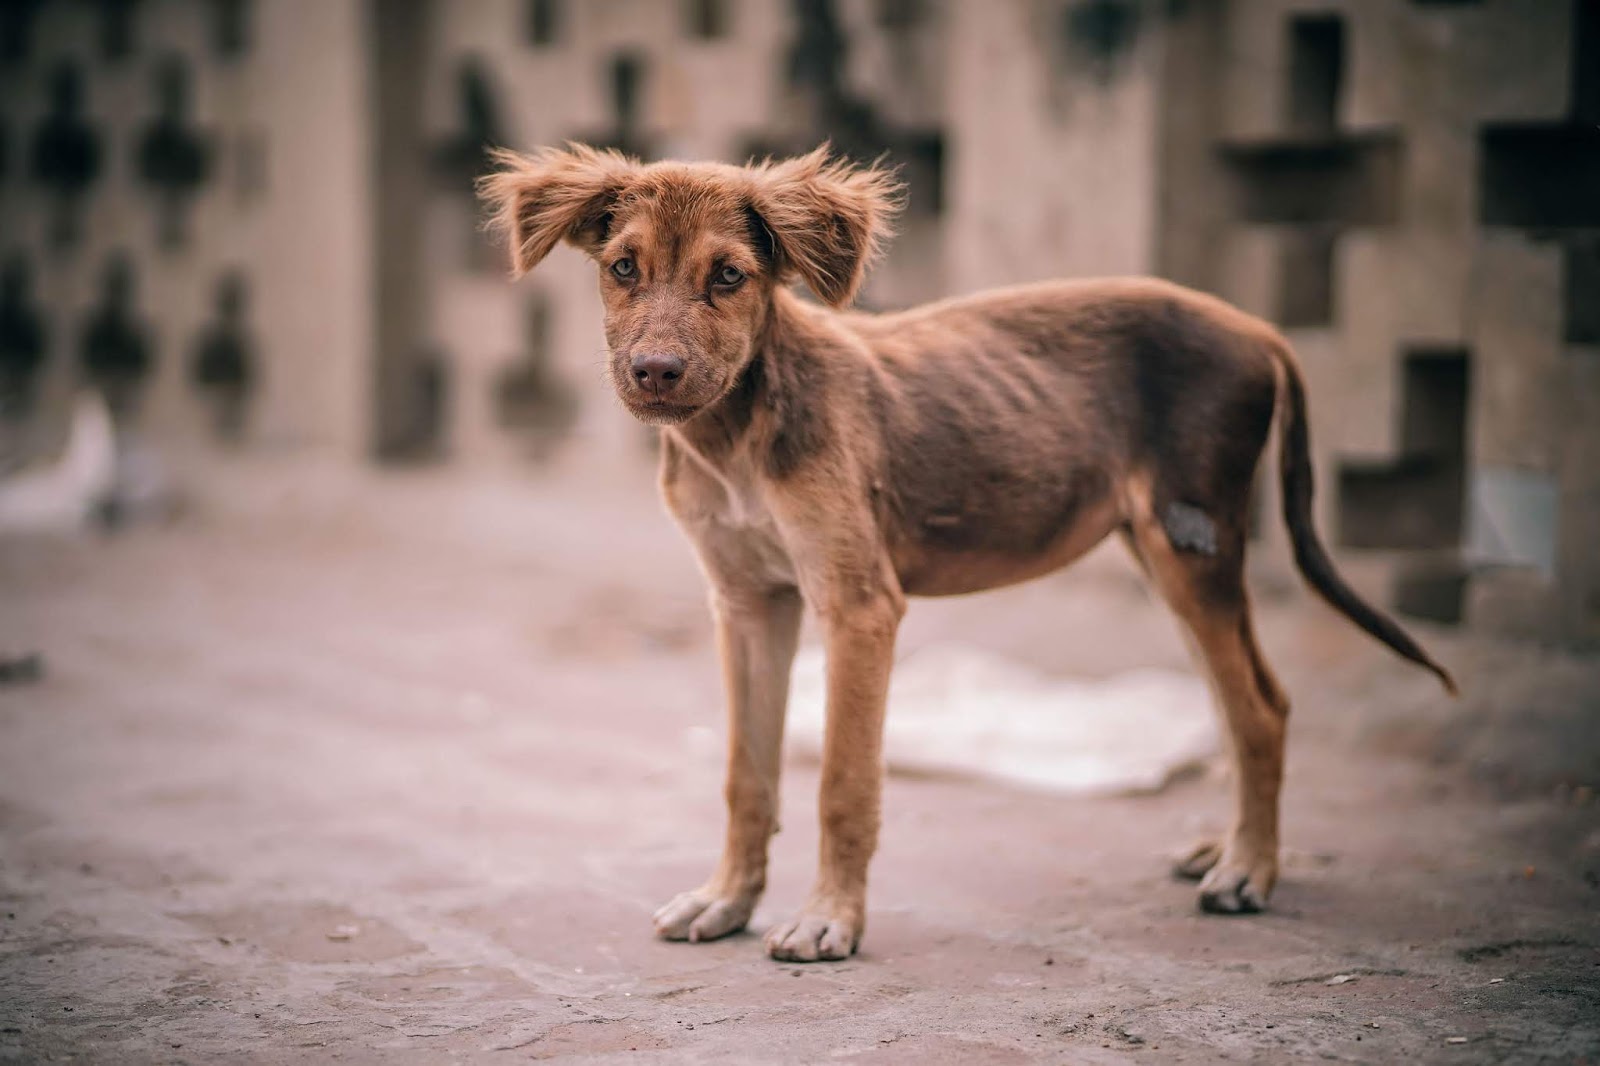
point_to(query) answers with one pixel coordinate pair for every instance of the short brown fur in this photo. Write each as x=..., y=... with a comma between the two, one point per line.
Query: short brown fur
x=845, y=461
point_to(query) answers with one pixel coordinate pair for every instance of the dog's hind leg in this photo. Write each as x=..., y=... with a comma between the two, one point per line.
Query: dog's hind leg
x=758, y=632
x=1202, y=580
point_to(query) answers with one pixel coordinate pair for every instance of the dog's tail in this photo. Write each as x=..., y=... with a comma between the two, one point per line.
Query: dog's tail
x=1294, y=454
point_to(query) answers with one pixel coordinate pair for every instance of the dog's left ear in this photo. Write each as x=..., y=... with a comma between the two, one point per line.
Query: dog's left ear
x=828, y=219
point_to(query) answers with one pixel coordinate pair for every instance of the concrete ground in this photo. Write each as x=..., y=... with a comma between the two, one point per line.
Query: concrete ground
x=395, y=768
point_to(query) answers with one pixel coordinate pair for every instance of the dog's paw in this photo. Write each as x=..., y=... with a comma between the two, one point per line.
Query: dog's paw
x=1238, y=886
x=813, y=936
x=701, y=915
x=1195, y=862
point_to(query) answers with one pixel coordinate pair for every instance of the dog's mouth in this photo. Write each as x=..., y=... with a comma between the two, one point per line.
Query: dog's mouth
x=656, y=411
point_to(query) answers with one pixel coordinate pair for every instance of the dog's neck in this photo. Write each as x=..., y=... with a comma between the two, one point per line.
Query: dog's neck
x=772, y=390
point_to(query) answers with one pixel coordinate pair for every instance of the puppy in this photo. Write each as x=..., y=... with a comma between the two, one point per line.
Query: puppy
x=845, y=461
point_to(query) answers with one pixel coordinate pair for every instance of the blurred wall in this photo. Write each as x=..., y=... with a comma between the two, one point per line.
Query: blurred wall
x=270, y=179
x=1409, y=189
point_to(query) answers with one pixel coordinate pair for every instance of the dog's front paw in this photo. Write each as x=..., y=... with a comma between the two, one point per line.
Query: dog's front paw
x=703, y=915
x=1238, y=884
x=815, y=934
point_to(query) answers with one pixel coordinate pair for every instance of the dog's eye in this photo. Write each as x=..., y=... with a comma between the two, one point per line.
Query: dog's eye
x=729, y=276
x=624, y=268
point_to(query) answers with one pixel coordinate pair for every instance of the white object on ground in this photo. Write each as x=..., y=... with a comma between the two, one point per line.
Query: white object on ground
x=63, y=495
x=142, y=486
x=959, y=710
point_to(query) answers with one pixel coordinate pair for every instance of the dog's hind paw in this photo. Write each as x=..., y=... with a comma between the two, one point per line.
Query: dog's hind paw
x=813, y=937
x=699, y=915
x=1195, y=862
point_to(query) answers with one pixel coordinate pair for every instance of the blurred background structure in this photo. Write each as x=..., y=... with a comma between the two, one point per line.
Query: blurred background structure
x=252, y=223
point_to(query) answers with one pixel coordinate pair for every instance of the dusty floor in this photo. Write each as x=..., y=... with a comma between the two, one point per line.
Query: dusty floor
x=395, y=769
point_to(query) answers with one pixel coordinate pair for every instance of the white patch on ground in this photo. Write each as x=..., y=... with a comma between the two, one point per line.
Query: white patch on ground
x=955, y=709
x=61, y=495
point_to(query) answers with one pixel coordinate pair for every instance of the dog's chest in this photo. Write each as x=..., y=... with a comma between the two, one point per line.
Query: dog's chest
x=728, y=519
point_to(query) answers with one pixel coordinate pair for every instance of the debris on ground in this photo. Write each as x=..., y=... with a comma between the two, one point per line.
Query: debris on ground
x=24, y=668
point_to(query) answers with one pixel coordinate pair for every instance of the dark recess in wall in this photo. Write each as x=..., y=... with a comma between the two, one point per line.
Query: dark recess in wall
x=706, y=20
x=853, y=124
x=543, y=21
x=1097, y=34
x=1306, y=277
x=531, y=398
x=1316, y=73
x=1348, y=180
x=1432, y=591
x=1582, y=297
x=1416, y=501
x=1586, y=62
x=1540, y=177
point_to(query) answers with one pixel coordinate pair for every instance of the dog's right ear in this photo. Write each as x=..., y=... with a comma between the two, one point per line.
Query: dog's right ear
x=555, y=194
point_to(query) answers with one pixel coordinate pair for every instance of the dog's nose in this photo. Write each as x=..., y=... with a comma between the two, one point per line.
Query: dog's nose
x=657, y=372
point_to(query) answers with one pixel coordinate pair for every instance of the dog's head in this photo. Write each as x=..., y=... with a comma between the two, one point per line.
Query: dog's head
x=689, y=254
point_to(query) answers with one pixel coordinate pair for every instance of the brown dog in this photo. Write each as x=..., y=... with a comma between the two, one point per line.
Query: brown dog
x=847, y=460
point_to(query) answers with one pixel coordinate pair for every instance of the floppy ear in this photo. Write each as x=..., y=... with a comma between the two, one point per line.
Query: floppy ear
x=828, y=219
x=552, y=195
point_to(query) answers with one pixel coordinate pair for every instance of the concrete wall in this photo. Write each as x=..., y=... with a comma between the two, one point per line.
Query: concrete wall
x=285, y=204
x=1052, y=170
x=1430, y=274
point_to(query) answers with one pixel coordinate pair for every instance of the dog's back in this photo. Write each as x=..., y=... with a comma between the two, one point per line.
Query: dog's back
x=1011, y=421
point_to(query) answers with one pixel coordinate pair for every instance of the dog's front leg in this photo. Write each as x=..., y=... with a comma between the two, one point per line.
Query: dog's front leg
x=860, y=648
x=756, y=632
